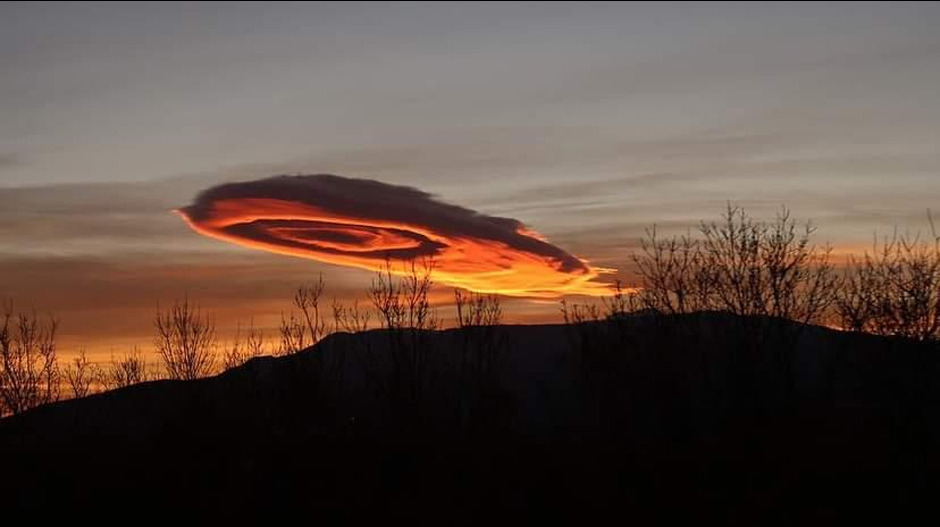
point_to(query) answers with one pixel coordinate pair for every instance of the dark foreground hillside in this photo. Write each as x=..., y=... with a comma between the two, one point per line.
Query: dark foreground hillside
x=696, y=418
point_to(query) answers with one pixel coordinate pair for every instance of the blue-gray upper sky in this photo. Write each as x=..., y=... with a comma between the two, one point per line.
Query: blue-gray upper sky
x=585, y=121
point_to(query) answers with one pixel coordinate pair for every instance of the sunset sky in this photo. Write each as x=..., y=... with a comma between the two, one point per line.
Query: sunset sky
x=585, y=122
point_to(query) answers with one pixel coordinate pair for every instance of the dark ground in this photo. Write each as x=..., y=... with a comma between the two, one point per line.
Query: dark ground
x=697, y=418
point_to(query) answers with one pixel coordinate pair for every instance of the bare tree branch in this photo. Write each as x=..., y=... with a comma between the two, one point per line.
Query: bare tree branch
x=185, y=340
x=29, y=372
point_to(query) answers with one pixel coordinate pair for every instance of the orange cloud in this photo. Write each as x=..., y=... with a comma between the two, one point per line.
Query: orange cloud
x=362, y=223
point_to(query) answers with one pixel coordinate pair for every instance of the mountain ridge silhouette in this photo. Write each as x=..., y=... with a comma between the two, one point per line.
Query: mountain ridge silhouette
x=617, y=414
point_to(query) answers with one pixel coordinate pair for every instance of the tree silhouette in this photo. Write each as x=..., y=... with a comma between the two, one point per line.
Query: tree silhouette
x=894, y=289
x=126, y=371
x=350, y=319
x=241, y=351
x=483, y=351
x=300, y=331
x=81, y=375
x=29, y=372
x=741, y=266
x=185, y=341
x=408, y=371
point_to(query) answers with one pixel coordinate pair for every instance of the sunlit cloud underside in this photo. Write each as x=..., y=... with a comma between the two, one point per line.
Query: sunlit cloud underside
x=366, y=224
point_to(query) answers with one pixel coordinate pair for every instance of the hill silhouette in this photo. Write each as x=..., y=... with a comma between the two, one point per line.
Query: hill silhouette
x=706, y=416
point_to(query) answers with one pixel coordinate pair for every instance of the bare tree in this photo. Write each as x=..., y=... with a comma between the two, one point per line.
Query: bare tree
x=126, y=371
x=582, y=330
x=350, y=319
x=307, y=300
x=185, y=341
x=856, y=299
x=234, y=354
x=675, y=278
x=406, y=314
x=475, y=309
x=739, y=265
x=300, y=331
x=767, y=269
x=602, y=339
x=241, y=351
x=894, y=289
x=254, y=341
x=386, y=296
x=483, y=351
x=404, y=303
x=293, y=334
x=613, y=310
x=416, y=286
x=579, y=313
x=622, y=302
x=29, y=372
x=756, y=270
x=479, y=317
x=81, y=375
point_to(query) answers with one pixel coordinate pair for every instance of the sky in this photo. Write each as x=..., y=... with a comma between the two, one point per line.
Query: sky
x=586, y=122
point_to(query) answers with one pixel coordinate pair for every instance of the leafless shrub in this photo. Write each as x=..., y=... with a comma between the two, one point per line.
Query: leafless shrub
x=479, y=317
x=403, y=303
x=586, y=337
x=579, y=313
x=29, y=372
x=350, y=319
x=584, y=321
x=738, y=265
x=767, y=269
x=483, y=351
x=675, y=277
x=416, y=286
x=185, y=341
x=894, y=290
x=293, y=333
x=612, y=369
x=621, y=303
x=855, y=303
x=241, y=351
x=81, y=375
x=307, y=300
x=300, y=331
x=477, y=310
x=741, y=266
x=405, y=312
x=387, y=296
x=254, y=341
x=234, y=354
x=126, y=371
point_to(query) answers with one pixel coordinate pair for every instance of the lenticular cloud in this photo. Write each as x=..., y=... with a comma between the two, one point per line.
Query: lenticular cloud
x=364, y=223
